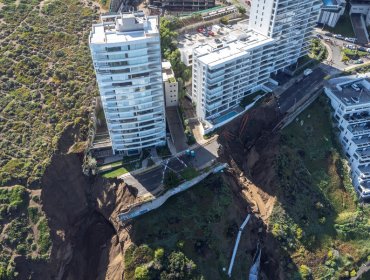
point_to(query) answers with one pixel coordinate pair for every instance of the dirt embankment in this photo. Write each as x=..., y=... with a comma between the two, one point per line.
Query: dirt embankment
x=250, y=147
x=81, y=214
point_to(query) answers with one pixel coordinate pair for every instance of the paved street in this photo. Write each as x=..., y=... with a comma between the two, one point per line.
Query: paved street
x=149, y=181
x=297, y=91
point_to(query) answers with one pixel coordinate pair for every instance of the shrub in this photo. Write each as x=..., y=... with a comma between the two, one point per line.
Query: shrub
x=305, y=271
x=142, y=273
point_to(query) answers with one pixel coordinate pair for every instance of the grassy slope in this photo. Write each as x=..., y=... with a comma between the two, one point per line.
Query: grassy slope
x=198, y=220
x=47, y=83
x=317, y=211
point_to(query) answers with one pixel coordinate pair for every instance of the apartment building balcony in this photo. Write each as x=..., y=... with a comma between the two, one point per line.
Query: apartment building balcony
x=357, y=118
x=363, y=155
x=361, y=141
x=364, y=189
x=364, y=172
x=359, y=129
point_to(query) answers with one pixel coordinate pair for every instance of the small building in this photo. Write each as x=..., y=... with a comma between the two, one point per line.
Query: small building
x=331, y=11
x=171, y=87
x=350, y=100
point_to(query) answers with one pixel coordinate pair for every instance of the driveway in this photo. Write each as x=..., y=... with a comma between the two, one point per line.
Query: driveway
x=176, y=129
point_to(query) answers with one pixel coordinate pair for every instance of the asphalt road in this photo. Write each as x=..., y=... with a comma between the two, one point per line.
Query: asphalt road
x=151, y=180
x=296, y=92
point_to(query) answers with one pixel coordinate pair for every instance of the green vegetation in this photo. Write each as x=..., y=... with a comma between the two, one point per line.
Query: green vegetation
x=171, y=179
x=241, y=10
x=12, y=200
x=43, y=241
x=318, y=50
x=348, y=54
x=124, y=166
x=197, y=227
x=141, y=263
x=317, y=216
x=46, y=84
x=169, y=49
x=189, y=173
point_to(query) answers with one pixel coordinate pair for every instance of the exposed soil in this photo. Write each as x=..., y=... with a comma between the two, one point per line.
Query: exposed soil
x=88, y=242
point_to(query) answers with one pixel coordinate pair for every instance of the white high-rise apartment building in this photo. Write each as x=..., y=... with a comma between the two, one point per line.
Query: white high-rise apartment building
x=126, y=52
x=289, y=22
x=237, y=64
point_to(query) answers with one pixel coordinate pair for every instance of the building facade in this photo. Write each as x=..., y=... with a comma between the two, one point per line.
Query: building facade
x=290, y=23
x=171, y=87
x=331, y=11
x=241, y=61
x=350, y=100
x=125, y=50
x=224, y=73
x=183, y=5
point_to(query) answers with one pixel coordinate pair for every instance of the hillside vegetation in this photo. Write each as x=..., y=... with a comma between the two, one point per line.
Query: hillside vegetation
x=47, y=84
x=318, y=219
x=47, y=81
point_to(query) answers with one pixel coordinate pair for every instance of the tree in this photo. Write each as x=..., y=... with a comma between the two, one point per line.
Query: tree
x=241, y=10
x=179, y=267
x=171, y=179
x=142, y=273
x=224, y=20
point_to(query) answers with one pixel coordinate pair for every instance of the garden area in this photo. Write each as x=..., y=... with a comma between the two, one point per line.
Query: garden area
x=317, y=218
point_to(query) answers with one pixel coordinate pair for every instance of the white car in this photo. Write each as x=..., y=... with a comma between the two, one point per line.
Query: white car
x=307, y=72
x=352, y=40
x=355, y=87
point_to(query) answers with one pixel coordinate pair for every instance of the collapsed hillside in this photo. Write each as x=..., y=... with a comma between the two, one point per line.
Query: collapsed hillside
x=298, y=182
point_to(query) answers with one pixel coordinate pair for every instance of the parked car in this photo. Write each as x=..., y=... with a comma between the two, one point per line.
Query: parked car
x=359, y=61
x=351, y=47
x=210, y=32
x=355, y=87
x=187, y=36
x=319, y=36
x=352, y=40
x=338, y=36
x=363, y=49
x=307, y=72
x=328, y=34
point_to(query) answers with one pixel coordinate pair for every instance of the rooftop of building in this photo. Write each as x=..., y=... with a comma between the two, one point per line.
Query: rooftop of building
x=167, y=72
x=344, y=91
x=227, y=42
x=123, y=27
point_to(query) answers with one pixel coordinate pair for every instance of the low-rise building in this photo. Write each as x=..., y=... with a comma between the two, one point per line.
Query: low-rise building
x=350, y=100
x=331, y=11
x=171, y=87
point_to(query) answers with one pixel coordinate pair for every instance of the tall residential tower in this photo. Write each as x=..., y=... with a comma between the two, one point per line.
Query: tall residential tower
x=125, y=49
x=289, y=22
